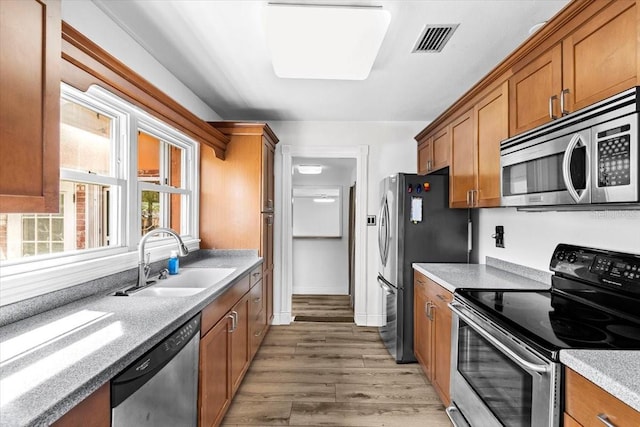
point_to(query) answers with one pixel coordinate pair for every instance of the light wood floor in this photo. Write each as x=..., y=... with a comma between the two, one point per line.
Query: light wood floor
x=321, y=306
x=332, y=374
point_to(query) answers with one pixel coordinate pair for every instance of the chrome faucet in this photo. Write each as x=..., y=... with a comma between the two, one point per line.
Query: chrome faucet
x=143, y=259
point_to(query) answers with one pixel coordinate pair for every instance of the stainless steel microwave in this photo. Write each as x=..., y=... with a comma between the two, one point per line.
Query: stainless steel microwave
x=588, y=157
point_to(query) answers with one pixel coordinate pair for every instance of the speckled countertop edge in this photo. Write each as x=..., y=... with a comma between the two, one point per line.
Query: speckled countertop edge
x=616, y=371
x=136, y=324
x=483, y=276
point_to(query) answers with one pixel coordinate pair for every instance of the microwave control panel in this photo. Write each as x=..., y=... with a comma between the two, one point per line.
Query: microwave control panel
x=614, y=157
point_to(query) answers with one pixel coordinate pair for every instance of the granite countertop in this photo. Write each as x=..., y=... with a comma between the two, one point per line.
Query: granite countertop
x=495, y=274
x=616, y=371
x=53, y=360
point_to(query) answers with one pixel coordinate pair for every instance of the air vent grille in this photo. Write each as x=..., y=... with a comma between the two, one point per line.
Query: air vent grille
x=434, y=37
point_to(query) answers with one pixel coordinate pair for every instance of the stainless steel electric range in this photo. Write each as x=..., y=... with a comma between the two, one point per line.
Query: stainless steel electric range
x=506, y=344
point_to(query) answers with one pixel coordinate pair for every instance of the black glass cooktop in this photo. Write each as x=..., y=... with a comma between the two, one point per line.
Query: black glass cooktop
x=553, y=320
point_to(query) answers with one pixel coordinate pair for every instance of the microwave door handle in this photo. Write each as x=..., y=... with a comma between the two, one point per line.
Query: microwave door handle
x=455, y=307
x=566, y=168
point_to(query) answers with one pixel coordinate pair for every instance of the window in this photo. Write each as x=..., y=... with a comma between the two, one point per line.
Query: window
x=122, y=174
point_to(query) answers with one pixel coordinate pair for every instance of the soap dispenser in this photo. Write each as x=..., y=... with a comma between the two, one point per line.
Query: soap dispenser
x=174, y=263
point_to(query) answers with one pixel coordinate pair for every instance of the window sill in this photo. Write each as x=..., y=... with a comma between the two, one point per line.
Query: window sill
x=30, y=280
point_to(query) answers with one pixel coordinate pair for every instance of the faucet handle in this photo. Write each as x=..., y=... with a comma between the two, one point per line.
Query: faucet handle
x=164, y=273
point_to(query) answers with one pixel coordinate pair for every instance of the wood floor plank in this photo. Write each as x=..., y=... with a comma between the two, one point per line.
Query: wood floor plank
x=387, y=393
x=370, y=415
x=286, y=361
x=406, y=374
x=286, y=392
x=366, y=348
x=378, y=361
x=262, y=414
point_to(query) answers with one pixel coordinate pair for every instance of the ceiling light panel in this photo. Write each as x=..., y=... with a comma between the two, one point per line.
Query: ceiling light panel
x=324, y=42
x=310, y=169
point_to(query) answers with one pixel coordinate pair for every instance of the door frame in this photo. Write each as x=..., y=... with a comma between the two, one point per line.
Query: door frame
x=283, y=273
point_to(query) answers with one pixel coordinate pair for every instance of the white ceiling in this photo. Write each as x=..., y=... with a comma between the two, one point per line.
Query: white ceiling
x=218, y=49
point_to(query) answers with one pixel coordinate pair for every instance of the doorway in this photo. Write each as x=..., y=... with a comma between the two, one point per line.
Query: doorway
x=320, y=246
x=285, y=257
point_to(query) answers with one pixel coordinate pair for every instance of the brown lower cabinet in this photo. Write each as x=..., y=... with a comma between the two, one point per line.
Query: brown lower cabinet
x=232, y=330
x=94, y=411
x=432, y=333
x=588, y=405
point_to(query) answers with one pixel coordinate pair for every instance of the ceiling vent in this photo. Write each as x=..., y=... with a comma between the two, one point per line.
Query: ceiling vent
x=434, y=37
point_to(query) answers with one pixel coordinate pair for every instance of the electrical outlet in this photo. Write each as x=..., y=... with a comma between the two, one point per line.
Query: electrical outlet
x=371, y=220
x=499, y=236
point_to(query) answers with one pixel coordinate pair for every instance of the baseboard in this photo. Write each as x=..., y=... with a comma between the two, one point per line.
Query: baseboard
x=282, y=318
x=320, y=290
x=362, y=319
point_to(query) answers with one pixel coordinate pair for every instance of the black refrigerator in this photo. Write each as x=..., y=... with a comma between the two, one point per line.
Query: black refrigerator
x=415, y=225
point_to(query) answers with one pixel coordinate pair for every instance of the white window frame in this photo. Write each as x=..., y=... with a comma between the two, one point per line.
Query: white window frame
x=27, y=278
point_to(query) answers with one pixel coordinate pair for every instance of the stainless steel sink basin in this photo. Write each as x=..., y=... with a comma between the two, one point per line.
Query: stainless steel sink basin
x=156, y=291
x=195, y=277
x=190, y=281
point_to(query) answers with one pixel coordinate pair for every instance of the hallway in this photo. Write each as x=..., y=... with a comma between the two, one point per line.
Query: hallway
x=335, y=374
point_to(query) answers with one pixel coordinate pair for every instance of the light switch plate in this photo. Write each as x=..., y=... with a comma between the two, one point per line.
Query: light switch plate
x=371, y=220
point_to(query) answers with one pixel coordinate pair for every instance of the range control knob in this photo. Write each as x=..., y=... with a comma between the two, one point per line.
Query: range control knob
x=572, y=257
x=560, y=256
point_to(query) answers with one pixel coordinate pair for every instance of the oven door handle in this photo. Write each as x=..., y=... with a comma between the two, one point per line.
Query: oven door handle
x=455, y=307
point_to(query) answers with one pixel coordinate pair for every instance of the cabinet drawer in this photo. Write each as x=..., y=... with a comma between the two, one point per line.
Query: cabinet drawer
x=586, y=402
x=256, y=275
x=256, y=301
x=221, y=305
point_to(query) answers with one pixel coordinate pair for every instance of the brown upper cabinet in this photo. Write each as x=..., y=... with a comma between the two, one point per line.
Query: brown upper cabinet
x=29, y=105
x=596, y=60
x=475, y=151
x=433, y=151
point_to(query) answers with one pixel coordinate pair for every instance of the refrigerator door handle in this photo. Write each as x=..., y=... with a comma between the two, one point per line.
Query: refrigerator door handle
x=381, y=224
x=388, y=290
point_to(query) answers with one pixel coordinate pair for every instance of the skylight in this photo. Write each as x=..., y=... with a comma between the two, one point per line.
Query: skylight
x=324, y=41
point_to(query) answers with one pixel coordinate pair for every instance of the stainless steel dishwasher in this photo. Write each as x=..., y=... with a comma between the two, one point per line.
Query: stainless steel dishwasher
x=161, y=387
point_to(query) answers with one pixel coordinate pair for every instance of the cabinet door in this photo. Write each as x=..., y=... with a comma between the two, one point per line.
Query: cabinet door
x=94, y=411
x=258, y=317
x=530, y=89
x=240, y=342
x=424, y=157
x=30, y=62
x=267, y=177
x=266, y=249
x=215, y=374
x=492, y=126
x=422, y=325
x=462, y=171
x=600, y=57
x=440, y=148
x=441, y=315
x=268, y=295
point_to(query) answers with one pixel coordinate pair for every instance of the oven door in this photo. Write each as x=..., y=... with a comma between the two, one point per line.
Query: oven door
x=497, y=381
x=552, y=172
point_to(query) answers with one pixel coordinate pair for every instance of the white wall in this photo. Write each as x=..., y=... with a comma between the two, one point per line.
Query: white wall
x=391, y=149
x=321, y=265
x=530, y=237
x=87, y=18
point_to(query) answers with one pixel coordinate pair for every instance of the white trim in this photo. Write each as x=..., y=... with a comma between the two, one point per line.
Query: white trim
x=282, y=319
x=363, y=319
x=283, y=259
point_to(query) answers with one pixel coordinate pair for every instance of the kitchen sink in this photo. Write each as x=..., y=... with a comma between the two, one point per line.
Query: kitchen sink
x=190, y=281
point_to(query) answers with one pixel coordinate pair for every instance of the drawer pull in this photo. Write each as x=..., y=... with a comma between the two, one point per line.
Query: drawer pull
x=442, y=298
x=256, y=274
x=605, y=420
x=257, y=300
x=257, y=334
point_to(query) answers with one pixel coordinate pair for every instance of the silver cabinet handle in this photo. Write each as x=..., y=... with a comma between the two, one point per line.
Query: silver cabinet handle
x=532, y=367
x=562, y=94
x=428, y=165
x=428, y=306
x=257, y=300
x=468, y=197
x=442, y=298
x=605, y=420
x=551, y=99
x=234, y=321
x=257, y=334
